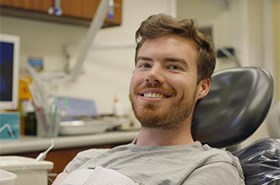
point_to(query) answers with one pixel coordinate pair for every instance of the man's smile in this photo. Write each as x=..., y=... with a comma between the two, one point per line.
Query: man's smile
x=155, y=93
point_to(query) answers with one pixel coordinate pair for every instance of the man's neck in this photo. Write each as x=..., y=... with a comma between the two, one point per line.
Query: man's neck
x=164, y=137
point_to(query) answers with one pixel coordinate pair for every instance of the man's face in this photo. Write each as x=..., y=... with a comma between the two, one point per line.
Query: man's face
x=164, y=87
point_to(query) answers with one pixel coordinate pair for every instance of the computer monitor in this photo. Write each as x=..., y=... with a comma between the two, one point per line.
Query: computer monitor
x=9, y=71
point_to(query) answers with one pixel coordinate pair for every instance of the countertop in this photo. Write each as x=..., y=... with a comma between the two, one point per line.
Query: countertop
x=30, y=144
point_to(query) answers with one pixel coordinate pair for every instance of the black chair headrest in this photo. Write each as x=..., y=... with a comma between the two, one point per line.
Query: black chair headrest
x=237, y=104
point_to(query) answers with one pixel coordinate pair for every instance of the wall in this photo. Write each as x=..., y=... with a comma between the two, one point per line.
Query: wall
x=208, y=13
x=215, y=14
x=42, y=39
x=276, y=44
x=236, y=23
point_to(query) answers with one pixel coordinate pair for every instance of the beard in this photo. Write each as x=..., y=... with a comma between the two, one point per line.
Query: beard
x=153, y=115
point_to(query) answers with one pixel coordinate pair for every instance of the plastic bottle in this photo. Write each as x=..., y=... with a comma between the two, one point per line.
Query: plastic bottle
x=30, y=127
x=117, y=107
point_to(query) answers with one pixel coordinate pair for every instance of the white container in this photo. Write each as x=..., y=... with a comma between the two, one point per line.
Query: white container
x=28, y=170
x=7, y=178
x=82, y=127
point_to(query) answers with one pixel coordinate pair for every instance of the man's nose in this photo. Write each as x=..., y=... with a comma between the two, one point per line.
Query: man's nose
x=155, y=76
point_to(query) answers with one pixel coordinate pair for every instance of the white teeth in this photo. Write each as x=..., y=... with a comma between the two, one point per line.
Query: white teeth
x=153, y=95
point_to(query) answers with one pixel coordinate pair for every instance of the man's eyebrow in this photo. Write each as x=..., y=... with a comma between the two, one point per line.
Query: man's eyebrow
x=144, y=58
x=178, y=60
x=181, y=61
x=168, y=59
x=174, y=59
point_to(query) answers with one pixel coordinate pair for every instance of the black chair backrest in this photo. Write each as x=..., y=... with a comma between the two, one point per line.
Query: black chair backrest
x=237, y=104
x=260, y=162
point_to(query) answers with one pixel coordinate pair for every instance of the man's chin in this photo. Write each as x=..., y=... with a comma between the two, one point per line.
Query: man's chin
x=150, y=107
x=150, y=117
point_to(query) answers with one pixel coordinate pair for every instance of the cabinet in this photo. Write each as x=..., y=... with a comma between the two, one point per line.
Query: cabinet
x=78, y=12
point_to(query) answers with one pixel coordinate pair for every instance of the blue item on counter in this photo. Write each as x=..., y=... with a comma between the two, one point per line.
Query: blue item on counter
x=72, y=108
x=9, y=125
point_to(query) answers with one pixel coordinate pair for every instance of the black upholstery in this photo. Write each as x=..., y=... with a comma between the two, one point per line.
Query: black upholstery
x=237, y=104
x=261, y=162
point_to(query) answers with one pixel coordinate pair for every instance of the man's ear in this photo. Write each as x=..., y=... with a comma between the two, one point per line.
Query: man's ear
x=203, y=88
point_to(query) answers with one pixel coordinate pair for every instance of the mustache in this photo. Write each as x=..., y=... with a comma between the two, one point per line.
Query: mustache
x=154, y=86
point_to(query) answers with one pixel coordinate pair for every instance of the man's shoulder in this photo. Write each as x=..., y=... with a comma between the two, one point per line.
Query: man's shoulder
x=218, y=152
x=92, y=156
x=215, y=155
x=90, y=153
x=95, y=152
x=83, y=157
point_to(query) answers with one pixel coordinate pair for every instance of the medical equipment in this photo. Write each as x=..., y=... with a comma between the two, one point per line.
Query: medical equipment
x=43, y=155
x=7, y=178
x=9, y=70
x=9, y=125
x=27, y=170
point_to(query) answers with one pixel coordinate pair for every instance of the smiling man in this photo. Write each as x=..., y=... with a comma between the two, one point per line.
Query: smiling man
x=164, y=89
x=173, y=67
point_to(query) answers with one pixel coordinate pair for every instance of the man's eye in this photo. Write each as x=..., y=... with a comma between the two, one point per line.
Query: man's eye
x=172, y=67
x=145, y=65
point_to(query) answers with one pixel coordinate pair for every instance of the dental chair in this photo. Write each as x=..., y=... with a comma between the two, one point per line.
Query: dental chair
x=237, y=104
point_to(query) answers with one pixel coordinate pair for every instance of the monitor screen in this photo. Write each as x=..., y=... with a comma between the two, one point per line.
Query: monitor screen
x=9, y=69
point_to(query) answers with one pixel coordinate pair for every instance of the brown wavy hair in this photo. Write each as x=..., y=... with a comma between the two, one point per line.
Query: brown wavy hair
x=162, y=24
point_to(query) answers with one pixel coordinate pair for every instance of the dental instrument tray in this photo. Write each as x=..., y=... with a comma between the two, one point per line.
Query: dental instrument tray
x=79, y=127
x=90, y=125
